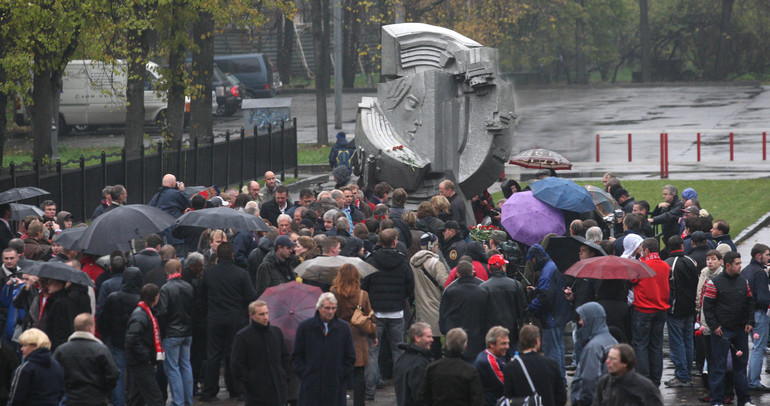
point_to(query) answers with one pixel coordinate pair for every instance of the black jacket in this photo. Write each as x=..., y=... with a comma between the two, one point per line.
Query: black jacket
x=727, y=302
x=683, y=284
x=457, y=206
x=756, y=276
x=274, y=272
x=243, y=244
x=261, y=362
x=58, y=315
x=140, y=343
x=394, y=282
x=39, y=381
x=175, y=308
x=9, y=360
x=464, y=305
x=453, y=249
x=725, y=239
x=90, y=372
x=545, y=375
x=146, y=260
x=451, y=381
x=270, y=211
x=408, y=373
x=629, y=389
x=698, y=254
x=506, y=303
x=226, y=291
x=257, y=255
x=668, y=217
x=430, y=224
x=117, y=309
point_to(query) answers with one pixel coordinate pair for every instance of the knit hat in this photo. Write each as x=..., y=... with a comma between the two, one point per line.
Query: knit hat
x=689, y=193
x=342, y=174
x=341, y=134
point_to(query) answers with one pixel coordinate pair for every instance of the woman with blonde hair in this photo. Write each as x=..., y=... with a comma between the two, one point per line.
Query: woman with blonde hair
x=347, y=290
x=306, y=248
x=442, y=207
x=40, y=379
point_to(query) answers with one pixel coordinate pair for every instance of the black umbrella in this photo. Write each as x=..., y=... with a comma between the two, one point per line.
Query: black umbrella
x=59, y=271
x=21, y=193
x=115, y=228
x=70, y=237
x=564, y=251
x=21, y=211
x=222, y=218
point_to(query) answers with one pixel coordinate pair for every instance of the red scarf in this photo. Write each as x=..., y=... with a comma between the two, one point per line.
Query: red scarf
x=652, y=256
x=174, y=275
x=160, y=355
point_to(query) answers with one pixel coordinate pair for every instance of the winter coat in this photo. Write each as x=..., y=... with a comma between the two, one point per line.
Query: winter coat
x=651, y=294
x=346, y=306
x=260, y=362
x=451, y=381
x=270, y=211
x=726, y=239
x=453, y=249
x=430, y=224
x=175, y=308
x=14, y=315
x=226, y=291
x=705, y=275
x=140, y=344
x=408, y=373
x=427, y=293
x=171, y=200
x=58, y=315
x=112, y=284
x=506, y=303
x=756, y=276
x=257, y=255
x=478, y=270
x=549, y=304
x=464, y=305
x=90, y=372
x=728, y=302
x=39, y=381
x=597, y=341
x=683, y=284
x=243, y=244
x=118, y=308
x=490, y=369
x=9, y=360
x=323, y=362
x=668, y=217
x=629, y=389
x=273, y=271
x=545, y=375
x=394, y=282
x=146, y=260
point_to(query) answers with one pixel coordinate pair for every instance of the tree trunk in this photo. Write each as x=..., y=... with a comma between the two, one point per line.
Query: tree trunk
x=580, y=55
x=3, y=117
x=41, y=109
x=175, y=116
x=351, y=32
x=320, y=21
x=644, y=30
x=285, y=49
x=201, y=125
x=137, y=75
x=720, y=58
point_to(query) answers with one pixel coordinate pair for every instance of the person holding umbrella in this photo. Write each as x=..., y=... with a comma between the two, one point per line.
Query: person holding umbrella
x=58, y=312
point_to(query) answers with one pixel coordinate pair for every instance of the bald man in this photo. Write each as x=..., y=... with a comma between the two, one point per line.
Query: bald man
x=267, y=193
x=172, y=199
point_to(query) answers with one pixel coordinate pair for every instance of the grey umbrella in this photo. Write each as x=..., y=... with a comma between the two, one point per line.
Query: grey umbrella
x=59, y=271
x=21, y=211
x=324, y=269
x=70, y=238
x=21, y=193
x=222, y=218
x=115, y=228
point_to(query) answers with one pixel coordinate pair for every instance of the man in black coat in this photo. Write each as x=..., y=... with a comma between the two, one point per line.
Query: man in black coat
x=58, y=313
x=453, y=244
x=90, y=373
x=260, y=360
x=464, y=305
x=271, y=209
x=172, y=199
x=668, y=212
x=323, y=356
x=278, y=265
x=506, y=300
x=113, y=321
x=6, y=234
x=456, y=204
x=451, y=381
x=226, y=291
x=388, y=290
x=149, y=258
x=410, y=368
x=544, y=372
x=142, y=350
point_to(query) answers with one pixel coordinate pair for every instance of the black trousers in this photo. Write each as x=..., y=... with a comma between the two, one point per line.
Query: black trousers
x=359, y=386
x=142, y=387
x=219, y=341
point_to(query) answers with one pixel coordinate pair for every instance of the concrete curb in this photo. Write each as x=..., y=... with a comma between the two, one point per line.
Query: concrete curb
x=746, y=233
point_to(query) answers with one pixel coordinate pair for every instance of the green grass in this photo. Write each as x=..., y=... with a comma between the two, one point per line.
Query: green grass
x=313, y=154
x=741, y=202
x=19, y=157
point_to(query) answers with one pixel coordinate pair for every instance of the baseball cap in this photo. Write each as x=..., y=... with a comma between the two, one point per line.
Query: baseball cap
x=284, y=241
x=451, y=224
x=498, y=235
x=698, y=236
x=692, y=210
x=497, y=261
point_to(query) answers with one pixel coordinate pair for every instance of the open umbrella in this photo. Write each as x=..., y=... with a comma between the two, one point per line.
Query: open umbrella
x=289, y=304
x=21, y=211
x=59, y=271
x=563, y=194
x=604, y=202
x=540, y=158
x=70, y=237
x=564, y=251
x=324, y=269
x=528, y=219
x=610, y=267
x=222, y=217
x=115, y=228
x=21, y=193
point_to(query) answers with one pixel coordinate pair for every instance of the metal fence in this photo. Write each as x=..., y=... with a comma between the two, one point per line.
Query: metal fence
x=230, y=162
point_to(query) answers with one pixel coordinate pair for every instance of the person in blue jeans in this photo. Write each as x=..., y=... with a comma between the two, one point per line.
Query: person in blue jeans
x=756, y=276
x=729, y=308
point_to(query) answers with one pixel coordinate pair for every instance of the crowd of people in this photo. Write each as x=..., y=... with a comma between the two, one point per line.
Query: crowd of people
x=164, y=319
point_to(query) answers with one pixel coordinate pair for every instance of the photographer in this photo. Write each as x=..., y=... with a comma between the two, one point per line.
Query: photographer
x=484, y=211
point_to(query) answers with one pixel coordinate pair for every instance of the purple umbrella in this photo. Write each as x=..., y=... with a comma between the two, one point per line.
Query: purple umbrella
x=528, y=220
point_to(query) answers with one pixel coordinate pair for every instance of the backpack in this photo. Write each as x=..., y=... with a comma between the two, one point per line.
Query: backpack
x=343, y=157
x=532, y=400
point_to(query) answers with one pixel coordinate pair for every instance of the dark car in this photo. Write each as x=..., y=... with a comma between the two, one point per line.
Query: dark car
x=255, y=71
x=229, y=90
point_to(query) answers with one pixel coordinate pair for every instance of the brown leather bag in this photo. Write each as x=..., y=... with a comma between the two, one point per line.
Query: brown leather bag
x=362, y=321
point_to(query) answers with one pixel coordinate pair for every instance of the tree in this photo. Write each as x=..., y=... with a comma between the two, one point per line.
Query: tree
x=644, y=35
x=320, y=20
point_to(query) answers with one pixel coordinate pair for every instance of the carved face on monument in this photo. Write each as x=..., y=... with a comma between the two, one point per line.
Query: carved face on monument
x=404, y=99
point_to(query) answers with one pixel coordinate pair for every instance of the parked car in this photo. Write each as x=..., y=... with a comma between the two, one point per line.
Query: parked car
x=229, y=91
x=255, y=71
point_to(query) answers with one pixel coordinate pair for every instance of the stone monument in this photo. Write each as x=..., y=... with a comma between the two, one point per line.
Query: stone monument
x=442, y=113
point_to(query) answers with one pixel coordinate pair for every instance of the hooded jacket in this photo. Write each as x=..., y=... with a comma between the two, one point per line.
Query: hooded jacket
x=427, y=292
x=39, y=381
x=118, y=307
x=394, y=282
x=549, y=304
x=273, y=271
x=597, y=342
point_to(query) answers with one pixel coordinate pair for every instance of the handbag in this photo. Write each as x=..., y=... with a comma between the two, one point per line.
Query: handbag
x=362, y=321
x=532, y=400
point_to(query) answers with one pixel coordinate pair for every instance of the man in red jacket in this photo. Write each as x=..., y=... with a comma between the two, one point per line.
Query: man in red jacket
x=649, y=315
